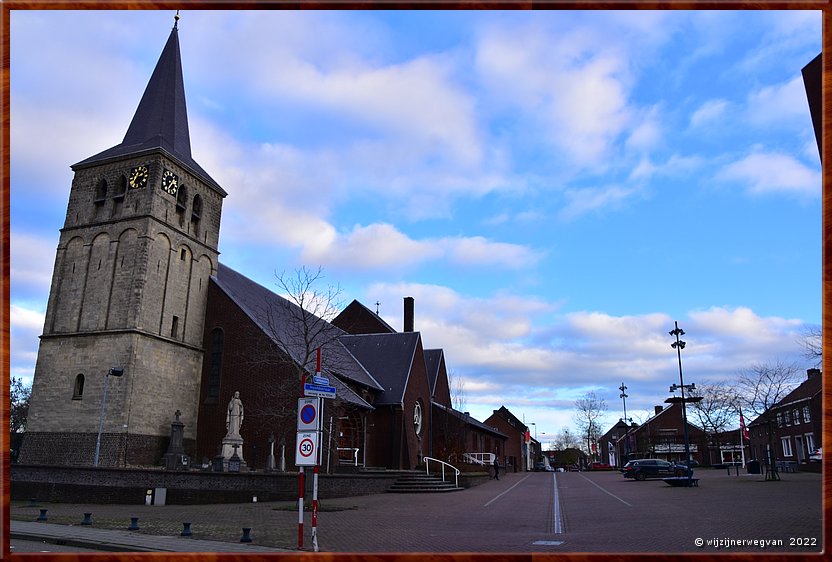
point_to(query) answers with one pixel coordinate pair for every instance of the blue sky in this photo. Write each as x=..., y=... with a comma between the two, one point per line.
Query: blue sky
x=553, y=188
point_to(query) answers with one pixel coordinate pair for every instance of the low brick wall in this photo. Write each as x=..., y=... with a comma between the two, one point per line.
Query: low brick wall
x=129, y=486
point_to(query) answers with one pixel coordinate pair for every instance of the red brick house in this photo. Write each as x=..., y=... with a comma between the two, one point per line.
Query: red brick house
x=662, y=437
x=793, y=426
x=516, y=455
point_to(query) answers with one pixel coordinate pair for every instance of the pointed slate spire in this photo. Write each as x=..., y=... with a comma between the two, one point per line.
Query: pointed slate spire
x=161, y=119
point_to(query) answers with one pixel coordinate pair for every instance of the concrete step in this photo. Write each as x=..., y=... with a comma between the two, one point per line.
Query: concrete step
x=413, y=483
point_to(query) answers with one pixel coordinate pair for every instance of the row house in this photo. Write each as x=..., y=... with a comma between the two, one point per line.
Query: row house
x=791, y=429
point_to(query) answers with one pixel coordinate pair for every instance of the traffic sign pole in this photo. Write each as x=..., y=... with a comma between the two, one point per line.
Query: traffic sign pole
x=300, y=508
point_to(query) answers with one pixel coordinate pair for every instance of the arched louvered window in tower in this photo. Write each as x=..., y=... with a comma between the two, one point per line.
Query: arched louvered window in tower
x=181, y=199
x=196, y=210
x=101, y=192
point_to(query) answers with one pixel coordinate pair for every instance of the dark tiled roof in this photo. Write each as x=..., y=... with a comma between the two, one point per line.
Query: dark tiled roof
x=388, y=358
x=433, y=359
x=467, y=418
x=278, y=318
x=161, y=119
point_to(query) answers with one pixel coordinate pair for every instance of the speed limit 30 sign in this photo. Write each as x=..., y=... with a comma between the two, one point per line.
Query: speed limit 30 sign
x=306, y=449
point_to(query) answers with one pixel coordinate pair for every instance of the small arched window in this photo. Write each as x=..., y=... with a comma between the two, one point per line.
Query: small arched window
x=78, y=388
x=101, y=192
x=196, y=210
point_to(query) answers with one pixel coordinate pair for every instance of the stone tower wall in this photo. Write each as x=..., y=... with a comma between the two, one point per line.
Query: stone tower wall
x=129, y=290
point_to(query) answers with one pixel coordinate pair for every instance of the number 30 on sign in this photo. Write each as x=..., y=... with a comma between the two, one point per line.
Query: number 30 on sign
x=306, y=450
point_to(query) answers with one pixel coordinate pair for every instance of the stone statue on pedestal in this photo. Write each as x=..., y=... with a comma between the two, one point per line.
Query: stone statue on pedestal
x=233, y=440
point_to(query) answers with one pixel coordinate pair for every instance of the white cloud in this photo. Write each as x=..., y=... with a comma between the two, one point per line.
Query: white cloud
x=578, y=99
x=766, y=173
x=31, y=262
x=780, y=104
x=582, y=201
x=709, y=112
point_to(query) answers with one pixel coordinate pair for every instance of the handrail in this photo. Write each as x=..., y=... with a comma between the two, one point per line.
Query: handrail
x=479, y=458
x=354, y=453
x=443, y=464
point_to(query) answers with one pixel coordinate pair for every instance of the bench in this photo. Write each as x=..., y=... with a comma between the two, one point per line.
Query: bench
x=683, y=481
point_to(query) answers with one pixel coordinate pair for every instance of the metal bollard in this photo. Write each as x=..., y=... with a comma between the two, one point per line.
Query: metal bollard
x=42, y=516
x=134, y=524
x=246, y=535
x=186, y=530
x=87, y=519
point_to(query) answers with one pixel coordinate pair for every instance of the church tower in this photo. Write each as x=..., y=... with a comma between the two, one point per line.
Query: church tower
x=129, y=291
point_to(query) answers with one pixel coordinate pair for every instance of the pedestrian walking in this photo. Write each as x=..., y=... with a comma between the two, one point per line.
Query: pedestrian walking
x=496, y=468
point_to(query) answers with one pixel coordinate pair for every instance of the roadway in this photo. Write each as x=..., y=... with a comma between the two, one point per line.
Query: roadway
x=522, y=512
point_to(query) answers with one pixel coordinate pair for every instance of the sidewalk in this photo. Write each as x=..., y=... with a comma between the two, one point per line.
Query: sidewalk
x=112, y=540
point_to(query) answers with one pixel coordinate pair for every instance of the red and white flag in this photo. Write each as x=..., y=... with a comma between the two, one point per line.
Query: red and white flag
x=742, y=426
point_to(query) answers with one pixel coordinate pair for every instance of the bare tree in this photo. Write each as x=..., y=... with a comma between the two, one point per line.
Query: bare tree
x=812, y=348
x=296, y=324
x=761, y=386
x=717, y=410
x=590, y=408
x=565, y=439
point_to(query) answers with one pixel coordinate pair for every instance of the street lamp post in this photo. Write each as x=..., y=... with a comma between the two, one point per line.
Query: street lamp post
x=679, y=345
x=623, y=397
x=116, y=372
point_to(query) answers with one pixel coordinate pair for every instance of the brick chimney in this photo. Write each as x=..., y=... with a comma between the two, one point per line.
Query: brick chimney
x=658, y=409
x=408, y=314
x=812, y=373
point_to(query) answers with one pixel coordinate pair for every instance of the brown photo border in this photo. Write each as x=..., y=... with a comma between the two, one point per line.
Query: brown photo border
x=826, y=208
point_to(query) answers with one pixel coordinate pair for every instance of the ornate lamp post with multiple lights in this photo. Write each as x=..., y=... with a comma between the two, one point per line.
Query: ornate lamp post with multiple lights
x=679, y=345
x=626, y=421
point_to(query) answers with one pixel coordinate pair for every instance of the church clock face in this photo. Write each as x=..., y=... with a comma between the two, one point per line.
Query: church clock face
x=170, y=182
x=138, y=177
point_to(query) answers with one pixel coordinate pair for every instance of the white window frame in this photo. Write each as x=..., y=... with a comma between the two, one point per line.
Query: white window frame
x=786, y=443
x=796, y=416
x=779, y=419
x=809, y=439
x=807, y=415
x=787, y=418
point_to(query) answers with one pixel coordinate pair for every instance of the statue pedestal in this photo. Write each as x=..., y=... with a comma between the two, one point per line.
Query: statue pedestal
x=228, y=446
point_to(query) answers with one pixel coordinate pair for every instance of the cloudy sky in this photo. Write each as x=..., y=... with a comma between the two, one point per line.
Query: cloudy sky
x=554, y=189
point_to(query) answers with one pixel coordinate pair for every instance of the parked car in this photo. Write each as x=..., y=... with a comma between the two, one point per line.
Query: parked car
x=641, y=469
x=539, y=467
x=817, y=455
x=600, y=466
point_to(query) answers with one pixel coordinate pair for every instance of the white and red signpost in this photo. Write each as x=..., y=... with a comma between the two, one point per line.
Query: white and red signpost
x=307, y=450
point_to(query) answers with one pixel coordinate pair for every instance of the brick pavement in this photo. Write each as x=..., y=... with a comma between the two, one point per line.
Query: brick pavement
x=601, y=512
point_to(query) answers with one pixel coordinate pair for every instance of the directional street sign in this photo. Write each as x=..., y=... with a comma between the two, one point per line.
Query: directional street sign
x=320, y=390
x=306, y=450
x=309, y=414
